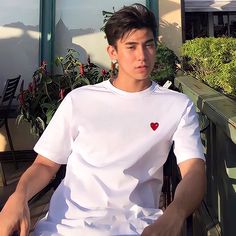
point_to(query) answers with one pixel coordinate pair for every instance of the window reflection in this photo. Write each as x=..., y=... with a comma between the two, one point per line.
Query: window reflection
x=205, y=24
x=196, y=25
x=19, y=38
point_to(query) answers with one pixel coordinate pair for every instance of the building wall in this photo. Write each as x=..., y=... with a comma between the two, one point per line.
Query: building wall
x=171, y=26
x=21, y=137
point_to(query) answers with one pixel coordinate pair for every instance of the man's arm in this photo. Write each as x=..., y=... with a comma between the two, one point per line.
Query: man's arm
x=188, y=196
x=15, y=213
x=36, y=177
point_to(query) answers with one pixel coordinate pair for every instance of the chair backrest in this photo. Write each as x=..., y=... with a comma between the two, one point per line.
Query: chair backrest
x=8, y=95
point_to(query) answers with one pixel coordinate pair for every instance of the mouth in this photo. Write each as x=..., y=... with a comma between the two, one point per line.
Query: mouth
x=142, y=67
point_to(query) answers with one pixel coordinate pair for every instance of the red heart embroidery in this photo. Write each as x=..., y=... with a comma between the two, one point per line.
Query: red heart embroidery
x=154, y=126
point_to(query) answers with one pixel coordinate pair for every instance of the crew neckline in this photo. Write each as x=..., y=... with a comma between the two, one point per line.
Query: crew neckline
x=141, y=93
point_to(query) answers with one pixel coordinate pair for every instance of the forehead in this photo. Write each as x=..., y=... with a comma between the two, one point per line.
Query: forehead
x=137, y=35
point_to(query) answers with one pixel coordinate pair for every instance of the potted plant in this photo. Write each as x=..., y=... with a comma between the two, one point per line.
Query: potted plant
x=39, y=101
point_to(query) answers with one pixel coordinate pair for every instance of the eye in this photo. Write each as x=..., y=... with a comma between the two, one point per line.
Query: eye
x=131, y=47
x=150, y=45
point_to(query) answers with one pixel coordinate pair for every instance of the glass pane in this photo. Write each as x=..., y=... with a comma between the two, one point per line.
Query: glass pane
x=19, y=38
x=232, y=25
x=196, y=24
x=78, y=26
x=221, y=23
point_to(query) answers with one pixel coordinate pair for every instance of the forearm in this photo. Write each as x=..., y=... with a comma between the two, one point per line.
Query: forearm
x=188, y=196
x=35, y=178
x=191, y=189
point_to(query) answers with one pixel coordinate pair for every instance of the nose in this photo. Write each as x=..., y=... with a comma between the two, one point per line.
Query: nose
x=141, y=53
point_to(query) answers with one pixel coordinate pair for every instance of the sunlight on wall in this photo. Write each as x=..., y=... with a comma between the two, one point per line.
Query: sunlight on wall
x=95, y=45
x=170, y=29
x=10, y=32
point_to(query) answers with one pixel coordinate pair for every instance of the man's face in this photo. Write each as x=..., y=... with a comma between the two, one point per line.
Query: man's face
x=135, y=53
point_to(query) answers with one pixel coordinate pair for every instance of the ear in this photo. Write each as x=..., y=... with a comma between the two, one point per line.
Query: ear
x=112, y=52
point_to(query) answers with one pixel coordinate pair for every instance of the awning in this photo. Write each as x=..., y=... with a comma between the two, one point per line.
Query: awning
x=209, y=6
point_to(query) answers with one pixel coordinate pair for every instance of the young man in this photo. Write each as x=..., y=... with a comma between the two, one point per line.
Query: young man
x=115, y=137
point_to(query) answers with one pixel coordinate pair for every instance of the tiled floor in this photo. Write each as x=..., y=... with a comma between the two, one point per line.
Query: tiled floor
x=39, y=207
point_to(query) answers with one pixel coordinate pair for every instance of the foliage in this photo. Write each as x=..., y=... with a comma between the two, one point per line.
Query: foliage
x=212, y=60
x=39, y=101
x=166, y=64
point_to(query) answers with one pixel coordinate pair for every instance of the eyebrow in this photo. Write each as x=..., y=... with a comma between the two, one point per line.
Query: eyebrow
x=134, y=43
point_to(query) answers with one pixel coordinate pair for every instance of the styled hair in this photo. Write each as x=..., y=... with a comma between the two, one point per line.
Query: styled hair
x=135, y=16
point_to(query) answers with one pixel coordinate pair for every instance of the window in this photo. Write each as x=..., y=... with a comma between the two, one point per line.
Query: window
x=196, y=24
x=225, y=24
x=205, y=24
x=19, y=38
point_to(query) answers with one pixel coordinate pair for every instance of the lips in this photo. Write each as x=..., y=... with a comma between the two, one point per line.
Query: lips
x=142, y=69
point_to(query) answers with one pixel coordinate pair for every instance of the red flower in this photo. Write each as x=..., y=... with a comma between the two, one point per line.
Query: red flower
x=81, y=69
x=62, y=93
x=104, y=72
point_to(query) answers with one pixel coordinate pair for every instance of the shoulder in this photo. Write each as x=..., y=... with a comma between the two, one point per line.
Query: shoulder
x=87, y=90
x=171, y=96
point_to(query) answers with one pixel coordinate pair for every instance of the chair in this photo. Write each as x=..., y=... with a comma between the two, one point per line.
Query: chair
x=171, y=178
x=5, y=108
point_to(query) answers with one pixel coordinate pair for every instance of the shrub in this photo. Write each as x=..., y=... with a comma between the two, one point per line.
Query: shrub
x=166, y=64
x=212, y=60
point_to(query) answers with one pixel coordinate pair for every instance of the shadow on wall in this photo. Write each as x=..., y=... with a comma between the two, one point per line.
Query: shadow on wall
x=18, y=51
x=170, y=27
x=169, y=32
x=86, y=41
x=63, y=41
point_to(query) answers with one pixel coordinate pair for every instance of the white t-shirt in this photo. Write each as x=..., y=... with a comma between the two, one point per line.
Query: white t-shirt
x=114, y=144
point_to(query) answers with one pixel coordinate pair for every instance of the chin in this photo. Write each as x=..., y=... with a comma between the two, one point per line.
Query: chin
x=142, y=77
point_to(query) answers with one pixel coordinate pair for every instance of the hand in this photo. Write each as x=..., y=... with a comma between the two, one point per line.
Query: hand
x=15, y=216
x=169, y=224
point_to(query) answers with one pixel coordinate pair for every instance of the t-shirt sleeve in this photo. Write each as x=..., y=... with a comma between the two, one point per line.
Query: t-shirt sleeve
x=187, y=141
x=57, y=139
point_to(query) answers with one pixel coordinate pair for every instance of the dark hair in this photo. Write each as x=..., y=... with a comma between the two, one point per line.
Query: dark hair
x=128, y=18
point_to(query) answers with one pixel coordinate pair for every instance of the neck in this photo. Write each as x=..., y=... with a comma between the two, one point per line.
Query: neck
x=131, y=86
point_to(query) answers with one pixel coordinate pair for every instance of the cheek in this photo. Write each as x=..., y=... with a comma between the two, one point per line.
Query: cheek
x=126, y=58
